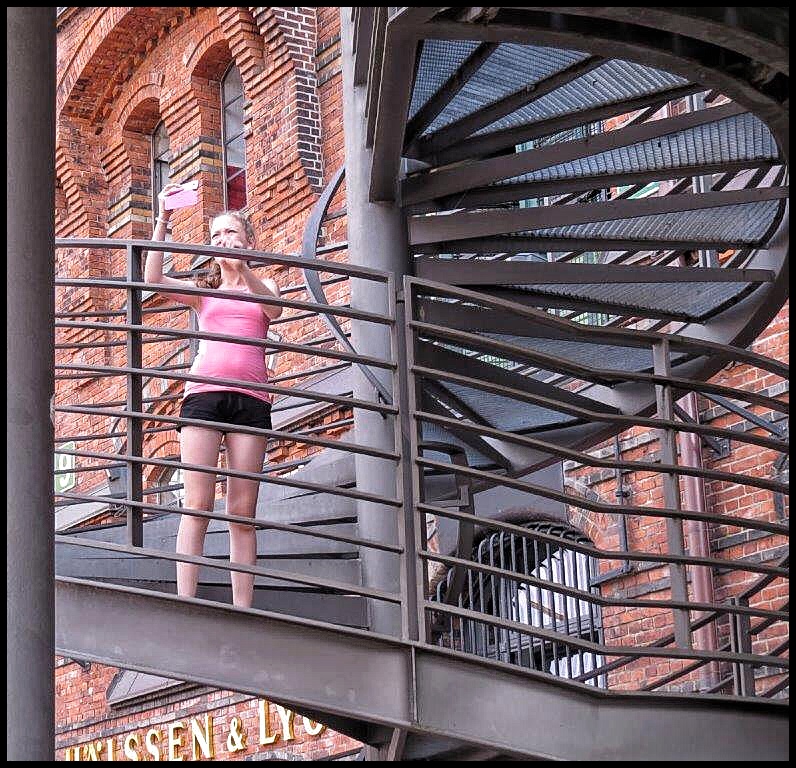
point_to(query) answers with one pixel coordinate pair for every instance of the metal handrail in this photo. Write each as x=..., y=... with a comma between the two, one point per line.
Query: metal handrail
x=455, y=624
x=136, y=418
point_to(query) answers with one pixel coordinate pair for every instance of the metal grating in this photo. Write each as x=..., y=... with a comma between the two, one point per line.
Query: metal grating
x=614, y=81
x=742, y=137
x=508, y=70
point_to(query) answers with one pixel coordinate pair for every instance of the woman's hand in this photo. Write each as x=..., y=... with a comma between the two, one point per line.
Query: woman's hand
x=163, y=212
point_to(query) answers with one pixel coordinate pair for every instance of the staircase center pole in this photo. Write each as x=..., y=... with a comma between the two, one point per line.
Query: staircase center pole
x=376, y=238
x=30, y=194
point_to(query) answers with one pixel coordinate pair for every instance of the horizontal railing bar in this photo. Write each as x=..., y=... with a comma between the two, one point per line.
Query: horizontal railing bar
x=291, y=318
x=309, y=372
x=110, y=435
x=260, y=477
x=123, y=312
x=581, y=371
x=99, y=468
x=287, y=392
x=609, y=334
x=262, y=257
x=159, y=554
x=703, y=621
x=333, y=248
x=589, y=415
x=255, y=298
x=724, y=646
x=323, y=427
x=252, y=521
x=593, y=551
x=603, y=650
x=594, y=599
x=122, y=403
x=592, y=461
x=300, y=288
x=265, y=344
x=109, y=344
x=221, y=426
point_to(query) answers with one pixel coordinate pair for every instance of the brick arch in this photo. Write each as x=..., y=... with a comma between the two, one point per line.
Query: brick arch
x=118, y=41
x=127, y=163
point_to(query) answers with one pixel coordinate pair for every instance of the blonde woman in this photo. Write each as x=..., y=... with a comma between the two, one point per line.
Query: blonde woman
x=231, y=405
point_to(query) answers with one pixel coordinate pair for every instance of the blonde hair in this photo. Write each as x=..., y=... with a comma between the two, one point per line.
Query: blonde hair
x=213, y=277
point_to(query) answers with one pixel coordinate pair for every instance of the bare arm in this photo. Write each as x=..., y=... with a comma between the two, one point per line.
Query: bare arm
x=267, y=287
x=153, y=271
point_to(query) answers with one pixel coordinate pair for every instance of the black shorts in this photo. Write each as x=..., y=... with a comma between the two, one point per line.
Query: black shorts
x=227, y=407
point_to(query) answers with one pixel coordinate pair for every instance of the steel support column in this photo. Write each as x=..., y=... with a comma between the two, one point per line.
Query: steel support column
x=376, y=237
x=30, y=190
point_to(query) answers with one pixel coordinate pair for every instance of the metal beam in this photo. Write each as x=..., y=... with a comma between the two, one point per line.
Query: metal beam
x=30, y=185
x=460, y=226
x=425, y=186
x=761, y=34
x=506, y=193
x=483, y=272
x=630, y=727
x=522, y=244
x=407, y=686
x=241, y=650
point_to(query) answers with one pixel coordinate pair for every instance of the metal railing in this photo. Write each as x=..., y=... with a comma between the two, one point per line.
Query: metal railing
x=111, y=391
x=544, y=596
x=624, y=617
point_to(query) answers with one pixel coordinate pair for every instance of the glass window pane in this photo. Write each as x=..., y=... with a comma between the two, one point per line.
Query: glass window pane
x=160, y=143
x=233, y=120
x=232, y=85
x=236, y=153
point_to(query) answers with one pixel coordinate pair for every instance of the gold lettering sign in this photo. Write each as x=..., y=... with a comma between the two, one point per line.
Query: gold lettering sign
x=194, y=740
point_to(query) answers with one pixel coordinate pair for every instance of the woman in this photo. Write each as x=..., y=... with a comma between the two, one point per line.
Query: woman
x=233, y=405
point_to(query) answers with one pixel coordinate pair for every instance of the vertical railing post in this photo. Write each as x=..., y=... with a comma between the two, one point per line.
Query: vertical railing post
x=412, y=593
x=135, y=488
x=671, y=493
x=743, y=677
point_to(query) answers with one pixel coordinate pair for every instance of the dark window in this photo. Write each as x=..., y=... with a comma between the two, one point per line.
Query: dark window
x=161, y=174
x=232, y=116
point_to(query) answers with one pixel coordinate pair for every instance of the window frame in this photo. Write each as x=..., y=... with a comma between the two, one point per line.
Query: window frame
x=226, y=141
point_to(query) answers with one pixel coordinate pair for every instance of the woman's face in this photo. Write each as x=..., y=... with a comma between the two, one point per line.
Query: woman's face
x=228, y=232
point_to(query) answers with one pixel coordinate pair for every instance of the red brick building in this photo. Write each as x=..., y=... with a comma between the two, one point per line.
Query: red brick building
x=248, y=102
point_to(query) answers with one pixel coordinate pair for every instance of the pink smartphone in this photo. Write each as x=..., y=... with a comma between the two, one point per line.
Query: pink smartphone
x=187, y=194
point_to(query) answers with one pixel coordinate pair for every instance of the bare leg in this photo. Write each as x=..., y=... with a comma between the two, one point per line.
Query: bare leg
x=197, y=446
x=244, y=453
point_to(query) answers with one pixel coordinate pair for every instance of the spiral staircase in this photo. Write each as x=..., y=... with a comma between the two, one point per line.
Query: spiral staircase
x=549, y=303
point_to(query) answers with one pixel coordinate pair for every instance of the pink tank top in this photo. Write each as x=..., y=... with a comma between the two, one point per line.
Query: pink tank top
x=224, y=359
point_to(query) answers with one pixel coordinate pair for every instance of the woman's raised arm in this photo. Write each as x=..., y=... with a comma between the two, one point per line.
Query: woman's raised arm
x=153, y=270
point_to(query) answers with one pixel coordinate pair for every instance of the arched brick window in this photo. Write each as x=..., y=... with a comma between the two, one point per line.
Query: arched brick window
x=232, y=134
